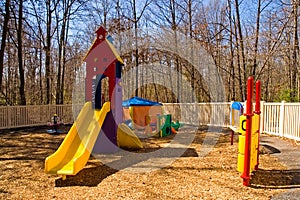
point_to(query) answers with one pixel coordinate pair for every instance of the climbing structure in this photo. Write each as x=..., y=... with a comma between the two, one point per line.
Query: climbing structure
x=103, y=62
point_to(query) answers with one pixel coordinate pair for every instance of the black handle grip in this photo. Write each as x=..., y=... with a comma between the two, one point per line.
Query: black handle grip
x=244, y=129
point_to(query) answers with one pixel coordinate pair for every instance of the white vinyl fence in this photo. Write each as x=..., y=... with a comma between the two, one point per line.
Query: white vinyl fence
x=281, y=119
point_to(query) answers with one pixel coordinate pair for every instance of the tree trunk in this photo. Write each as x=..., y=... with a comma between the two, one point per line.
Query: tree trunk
x=256, y=38
x=136, y=49
x=3, y=41
x=239, y=75
x=58, y=79
x=47, y=51
x=190, y=16
x=295, y=54
x=20, y=55
x=174, y=28
x=231, y=66
x=241, y=47
x=40, y=75
x=63, y=70
x=61, y=55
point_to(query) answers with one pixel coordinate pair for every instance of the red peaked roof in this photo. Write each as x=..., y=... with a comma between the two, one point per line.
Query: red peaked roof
x=101, y=37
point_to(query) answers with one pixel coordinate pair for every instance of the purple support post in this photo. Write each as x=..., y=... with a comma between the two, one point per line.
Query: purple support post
x=118, y=101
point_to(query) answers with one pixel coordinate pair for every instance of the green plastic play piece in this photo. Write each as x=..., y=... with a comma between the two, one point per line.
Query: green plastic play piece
x=176, y=125
x=165, y=125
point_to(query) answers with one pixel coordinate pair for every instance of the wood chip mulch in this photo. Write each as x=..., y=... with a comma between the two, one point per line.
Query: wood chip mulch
x=22, y=155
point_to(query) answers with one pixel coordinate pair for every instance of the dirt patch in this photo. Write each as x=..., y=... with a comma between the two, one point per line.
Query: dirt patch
x=213, y=176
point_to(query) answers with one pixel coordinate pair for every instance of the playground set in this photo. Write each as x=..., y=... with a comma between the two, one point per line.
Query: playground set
x=249, y=132
x=99, y=127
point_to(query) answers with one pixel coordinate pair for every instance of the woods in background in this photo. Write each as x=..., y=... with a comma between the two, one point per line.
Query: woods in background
x=43, y=43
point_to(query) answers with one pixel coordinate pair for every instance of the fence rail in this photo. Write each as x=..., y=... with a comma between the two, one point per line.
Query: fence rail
x=281, y=119
x=216, y=114
x=24, y=116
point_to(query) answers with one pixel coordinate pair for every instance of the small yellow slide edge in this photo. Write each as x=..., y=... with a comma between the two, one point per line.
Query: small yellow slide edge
x=75, y=150
x=127, y=139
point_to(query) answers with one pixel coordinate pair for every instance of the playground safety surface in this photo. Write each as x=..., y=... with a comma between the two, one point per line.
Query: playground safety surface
x=213, y=176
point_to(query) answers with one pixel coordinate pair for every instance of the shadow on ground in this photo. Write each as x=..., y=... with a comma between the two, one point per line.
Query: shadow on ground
x=276, y=179
x=35, y=144
x=268, y=149
x=91, y=176
x=95, y=172
x=30, y=146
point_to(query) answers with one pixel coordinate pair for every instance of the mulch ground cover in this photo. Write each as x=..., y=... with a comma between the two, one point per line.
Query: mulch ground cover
x=213, y=176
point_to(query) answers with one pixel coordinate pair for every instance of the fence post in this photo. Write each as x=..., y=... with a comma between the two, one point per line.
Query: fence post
x=281, y=118
x=9, y=119
x=195, y=113
x=262, y=116
x=49, y=112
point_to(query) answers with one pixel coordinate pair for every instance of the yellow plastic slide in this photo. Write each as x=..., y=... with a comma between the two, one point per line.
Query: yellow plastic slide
x=74, y=152
x=127, y=139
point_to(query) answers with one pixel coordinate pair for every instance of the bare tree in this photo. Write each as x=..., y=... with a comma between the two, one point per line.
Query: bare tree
x=3, y=40
x=42, y=44
x=256, y=37
x=18, y=22
x=51, y=6
x=231, y=57
x=167, y=14
x=241, y=50
x=20, y=54
x=260, y=9
x=36, y=29
x=189, y=7
x=100, y=12
x=136, y=18
x=68, y=8
x=295, y=50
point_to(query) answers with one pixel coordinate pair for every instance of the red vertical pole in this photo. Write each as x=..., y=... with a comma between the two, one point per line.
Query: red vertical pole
x=257, y=97
x=257, y=111
x=249, y=114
